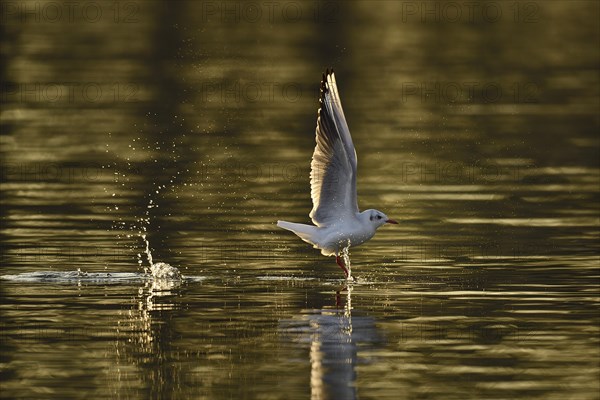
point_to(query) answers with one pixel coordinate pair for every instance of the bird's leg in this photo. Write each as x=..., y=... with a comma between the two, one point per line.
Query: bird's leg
x=339, y=262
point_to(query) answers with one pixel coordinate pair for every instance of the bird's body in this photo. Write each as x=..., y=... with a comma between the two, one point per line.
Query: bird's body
x=333, y=238
x=338, y=222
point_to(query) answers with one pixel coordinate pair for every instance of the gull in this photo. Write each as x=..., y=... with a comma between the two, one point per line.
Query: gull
x=338, y=223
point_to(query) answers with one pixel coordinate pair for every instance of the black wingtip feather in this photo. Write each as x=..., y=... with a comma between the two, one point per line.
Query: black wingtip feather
x=324, y=88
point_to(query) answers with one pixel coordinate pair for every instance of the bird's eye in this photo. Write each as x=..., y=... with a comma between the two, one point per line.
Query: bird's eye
x=379, y=217
x=371, y=218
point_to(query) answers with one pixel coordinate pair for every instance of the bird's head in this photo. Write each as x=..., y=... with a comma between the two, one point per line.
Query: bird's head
x=376, y=218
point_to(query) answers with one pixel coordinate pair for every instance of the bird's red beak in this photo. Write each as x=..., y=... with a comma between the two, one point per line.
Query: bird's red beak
x=391, y=221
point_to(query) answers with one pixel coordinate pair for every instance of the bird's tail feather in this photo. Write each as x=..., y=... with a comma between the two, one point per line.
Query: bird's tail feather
x=305, y=232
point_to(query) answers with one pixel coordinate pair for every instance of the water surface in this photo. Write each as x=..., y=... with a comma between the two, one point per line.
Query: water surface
x=194, y=126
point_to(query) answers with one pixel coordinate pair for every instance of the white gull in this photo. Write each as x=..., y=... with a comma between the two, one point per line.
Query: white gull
x=338, y=222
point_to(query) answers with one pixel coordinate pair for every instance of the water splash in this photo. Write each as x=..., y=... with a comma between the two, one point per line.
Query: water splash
x=140, y=225
x=346, y=257
x=160, y=270
x=148, y=252
x=76, y=277
x=165, y=271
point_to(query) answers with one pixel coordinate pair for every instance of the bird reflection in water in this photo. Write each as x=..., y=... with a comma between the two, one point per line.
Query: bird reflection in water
x=332, y=336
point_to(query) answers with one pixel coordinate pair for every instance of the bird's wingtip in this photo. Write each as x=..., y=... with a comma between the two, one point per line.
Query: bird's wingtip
x=324, y=87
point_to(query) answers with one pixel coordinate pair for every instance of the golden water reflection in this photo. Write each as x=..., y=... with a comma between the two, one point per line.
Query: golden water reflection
x=487, y=289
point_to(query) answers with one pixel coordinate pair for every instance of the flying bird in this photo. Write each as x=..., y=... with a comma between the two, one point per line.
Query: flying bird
x=338, y=223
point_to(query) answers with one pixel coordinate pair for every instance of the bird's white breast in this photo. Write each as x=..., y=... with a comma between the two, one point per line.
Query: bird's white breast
x=336, y=237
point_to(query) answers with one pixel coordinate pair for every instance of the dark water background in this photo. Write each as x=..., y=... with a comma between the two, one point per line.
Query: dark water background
x=476, y=127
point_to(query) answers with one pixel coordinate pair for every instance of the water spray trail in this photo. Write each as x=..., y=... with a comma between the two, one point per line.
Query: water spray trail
x=148, y=253
x=346, y=256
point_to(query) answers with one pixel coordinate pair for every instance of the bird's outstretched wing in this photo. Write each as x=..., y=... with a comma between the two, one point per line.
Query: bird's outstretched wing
x=333, y=166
